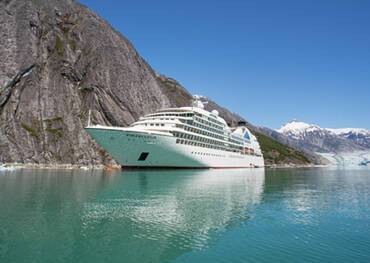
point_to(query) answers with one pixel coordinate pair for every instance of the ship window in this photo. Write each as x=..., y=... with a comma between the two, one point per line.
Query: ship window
x=143, y=156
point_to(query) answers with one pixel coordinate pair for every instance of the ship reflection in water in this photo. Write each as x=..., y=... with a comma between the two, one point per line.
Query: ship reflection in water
x=162, y=214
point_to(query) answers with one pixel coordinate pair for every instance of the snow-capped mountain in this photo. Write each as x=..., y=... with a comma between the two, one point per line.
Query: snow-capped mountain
x=358, y=136
x=314, y=138
x=299, y=130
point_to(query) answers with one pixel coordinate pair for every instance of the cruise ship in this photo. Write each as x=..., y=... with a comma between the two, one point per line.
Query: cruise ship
x=185, y=137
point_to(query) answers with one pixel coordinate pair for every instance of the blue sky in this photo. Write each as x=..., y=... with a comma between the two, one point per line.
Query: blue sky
x=270, y=61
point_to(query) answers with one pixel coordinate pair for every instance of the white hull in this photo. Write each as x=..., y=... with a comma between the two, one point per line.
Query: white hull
x=128, y=146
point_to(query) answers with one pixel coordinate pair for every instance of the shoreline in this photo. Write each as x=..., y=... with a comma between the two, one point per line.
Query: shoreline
x=12, y=166
x=8, y=166
x=274, y=166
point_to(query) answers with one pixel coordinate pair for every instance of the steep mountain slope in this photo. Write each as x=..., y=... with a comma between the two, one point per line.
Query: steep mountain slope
x=313, y=138
x=61, y=60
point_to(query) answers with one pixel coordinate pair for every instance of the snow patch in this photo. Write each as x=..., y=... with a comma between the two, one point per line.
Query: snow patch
x=357, y=131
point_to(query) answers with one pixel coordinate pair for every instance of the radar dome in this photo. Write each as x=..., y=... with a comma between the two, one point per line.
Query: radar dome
x=215, y=112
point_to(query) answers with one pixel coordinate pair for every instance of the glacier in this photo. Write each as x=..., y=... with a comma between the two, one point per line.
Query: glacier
x=348, y=159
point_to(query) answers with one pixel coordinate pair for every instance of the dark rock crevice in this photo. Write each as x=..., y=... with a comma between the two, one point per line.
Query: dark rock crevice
x=6, y=91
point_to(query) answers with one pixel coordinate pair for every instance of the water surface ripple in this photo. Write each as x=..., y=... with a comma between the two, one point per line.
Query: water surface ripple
x=282, y=215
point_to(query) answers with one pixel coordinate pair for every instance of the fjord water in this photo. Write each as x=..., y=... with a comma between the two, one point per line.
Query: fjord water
x=282, y=215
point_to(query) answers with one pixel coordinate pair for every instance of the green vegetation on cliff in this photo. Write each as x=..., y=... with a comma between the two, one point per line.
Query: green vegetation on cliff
x=275, y=152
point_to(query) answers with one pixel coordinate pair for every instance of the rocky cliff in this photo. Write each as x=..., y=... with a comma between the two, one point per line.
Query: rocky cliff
x=60, y=60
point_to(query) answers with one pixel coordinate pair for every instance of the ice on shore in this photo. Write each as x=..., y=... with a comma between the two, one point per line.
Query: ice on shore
x=6, y=168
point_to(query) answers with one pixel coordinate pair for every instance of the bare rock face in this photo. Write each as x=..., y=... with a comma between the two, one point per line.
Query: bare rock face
x=60, y=60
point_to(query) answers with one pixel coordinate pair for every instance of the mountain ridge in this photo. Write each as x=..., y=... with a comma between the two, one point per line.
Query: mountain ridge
x=315, y=138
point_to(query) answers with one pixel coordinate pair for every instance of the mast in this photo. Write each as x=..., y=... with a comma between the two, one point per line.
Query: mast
x=89, y=119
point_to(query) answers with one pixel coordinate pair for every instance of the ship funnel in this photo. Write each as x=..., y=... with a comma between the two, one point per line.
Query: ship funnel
x=242, y=123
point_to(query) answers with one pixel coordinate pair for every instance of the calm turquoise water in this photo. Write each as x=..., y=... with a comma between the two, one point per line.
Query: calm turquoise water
x=292, y=215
